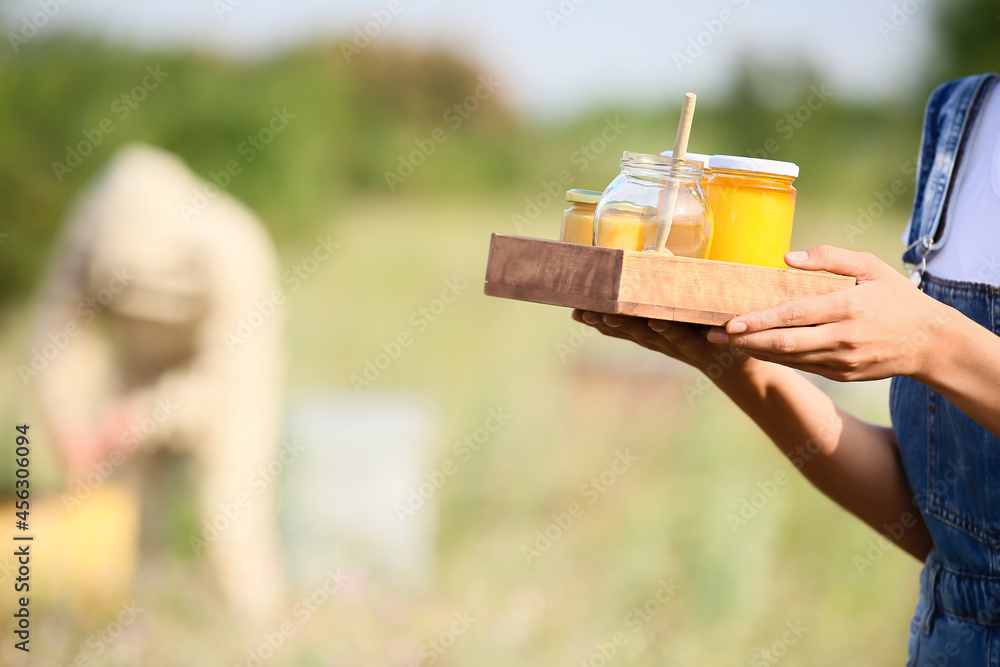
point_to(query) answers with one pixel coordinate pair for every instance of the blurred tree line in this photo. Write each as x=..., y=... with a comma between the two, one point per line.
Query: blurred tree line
x=356, y=121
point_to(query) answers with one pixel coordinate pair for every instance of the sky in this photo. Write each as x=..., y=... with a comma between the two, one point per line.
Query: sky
x=555, y=58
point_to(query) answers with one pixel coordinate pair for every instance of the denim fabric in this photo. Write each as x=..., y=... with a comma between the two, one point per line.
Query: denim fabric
x=952, y=463
x=951, y=112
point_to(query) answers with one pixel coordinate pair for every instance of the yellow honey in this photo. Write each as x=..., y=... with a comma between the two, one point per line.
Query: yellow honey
x=578, y=219
x=752, y=203
x=625, y=227
x=629, y=210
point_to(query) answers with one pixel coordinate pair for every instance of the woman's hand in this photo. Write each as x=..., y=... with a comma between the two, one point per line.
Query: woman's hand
x=879, y=328
x=679, y=340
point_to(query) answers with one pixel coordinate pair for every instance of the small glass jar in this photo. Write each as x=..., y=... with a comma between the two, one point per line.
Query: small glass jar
x=578, y=219
x=753, y=205
x=628, y=213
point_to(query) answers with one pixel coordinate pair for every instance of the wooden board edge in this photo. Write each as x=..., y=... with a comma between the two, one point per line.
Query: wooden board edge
x=623, y=260
x=611, y=307
x=564, y=299
x=673, y=314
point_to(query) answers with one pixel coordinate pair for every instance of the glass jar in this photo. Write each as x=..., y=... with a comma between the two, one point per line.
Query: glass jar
x=698, y=157
x=753, y=205
x=578, y=219
x=628, y=213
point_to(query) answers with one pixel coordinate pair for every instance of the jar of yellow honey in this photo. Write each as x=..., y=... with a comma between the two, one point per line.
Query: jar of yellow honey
x=630, y=208
x=752, y=202
x=578, y=219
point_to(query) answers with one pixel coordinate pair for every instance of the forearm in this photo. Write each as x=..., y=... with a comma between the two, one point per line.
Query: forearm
x=854, y=463
x=961, y=361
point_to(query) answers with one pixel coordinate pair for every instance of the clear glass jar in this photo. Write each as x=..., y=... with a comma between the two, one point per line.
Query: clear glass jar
x=698, y=157
x=578, y=219
x=628, y=213
x=753, y=205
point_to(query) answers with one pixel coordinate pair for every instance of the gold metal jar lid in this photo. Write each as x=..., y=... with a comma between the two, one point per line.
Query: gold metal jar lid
x=583, y=196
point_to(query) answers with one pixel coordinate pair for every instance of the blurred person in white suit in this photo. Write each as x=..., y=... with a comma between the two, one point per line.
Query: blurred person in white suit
x=180, y=281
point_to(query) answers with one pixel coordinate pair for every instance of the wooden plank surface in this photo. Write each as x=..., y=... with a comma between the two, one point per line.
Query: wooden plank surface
x=642, y=284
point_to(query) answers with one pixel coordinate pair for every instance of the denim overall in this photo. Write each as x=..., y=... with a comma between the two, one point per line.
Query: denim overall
x=952, y=463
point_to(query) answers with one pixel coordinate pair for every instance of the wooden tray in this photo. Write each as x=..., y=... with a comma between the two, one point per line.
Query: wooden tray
x=643, y=284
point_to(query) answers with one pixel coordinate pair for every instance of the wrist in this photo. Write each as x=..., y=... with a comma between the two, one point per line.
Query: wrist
x=735, y=371
x=932, y=346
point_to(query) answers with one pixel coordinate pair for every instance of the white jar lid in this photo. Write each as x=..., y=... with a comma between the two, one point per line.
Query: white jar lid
x=700, y=157
x=754, y=164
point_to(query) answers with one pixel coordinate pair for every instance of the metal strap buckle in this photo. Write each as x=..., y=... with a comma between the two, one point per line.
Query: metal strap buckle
x=923, y=246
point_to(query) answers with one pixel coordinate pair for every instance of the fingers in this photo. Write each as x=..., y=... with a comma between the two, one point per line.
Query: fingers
x=653, y=331
x=679, y=333
x=634, y=329
x=785, y=341
x=861, y=265
x=831, y=307
x=836, y=374
x=785, y=351
x=596, y=320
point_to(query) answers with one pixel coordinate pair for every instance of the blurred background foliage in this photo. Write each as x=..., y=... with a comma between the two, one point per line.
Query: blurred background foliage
x=355, y=119
x=698, y=459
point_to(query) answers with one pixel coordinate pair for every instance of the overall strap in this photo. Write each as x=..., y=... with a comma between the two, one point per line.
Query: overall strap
x=951, y=110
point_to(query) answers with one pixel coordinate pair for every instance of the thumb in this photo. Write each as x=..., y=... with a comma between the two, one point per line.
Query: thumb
x=861, y=265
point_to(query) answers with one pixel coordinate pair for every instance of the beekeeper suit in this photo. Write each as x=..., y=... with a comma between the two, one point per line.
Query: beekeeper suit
x=158, y=329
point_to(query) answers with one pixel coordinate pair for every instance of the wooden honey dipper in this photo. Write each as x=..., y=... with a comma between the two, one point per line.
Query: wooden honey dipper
x=666, y=214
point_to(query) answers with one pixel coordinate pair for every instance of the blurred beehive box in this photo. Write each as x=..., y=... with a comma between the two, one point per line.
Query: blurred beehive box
x=84, y=552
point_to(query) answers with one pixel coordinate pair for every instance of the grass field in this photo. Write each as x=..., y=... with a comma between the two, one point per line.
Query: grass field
x=662, y=525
